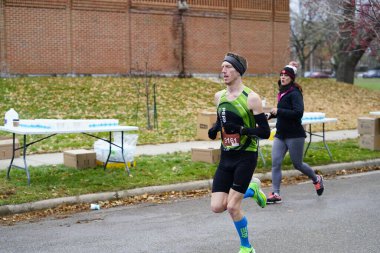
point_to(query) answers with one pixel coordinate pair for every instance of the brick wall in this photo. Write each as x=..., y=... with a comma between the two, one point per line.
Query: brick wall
x=255, y=42
x=153, y=43
x=35, y=40
x=206, y=43
x=131, y=36
x=99, y=42
x=2, y=39
x=281, y=50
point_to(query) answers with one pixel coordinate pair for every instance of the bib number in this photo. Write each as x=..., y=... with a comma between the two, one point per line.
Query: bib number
x=231, y=140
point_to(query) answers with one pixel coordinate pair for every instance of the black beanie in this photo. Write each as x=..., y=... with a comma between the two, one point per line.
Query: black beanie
x=290, y=72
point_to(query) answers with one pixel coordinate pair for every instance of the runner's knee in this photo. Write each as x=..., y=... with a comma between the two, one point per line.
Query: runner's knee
x=218, y=208
x=233, y=210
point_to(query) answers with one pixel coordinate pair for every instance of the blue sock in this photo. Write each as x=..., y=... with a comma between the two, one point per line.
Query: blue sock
x=249, y=193
x=242, y=229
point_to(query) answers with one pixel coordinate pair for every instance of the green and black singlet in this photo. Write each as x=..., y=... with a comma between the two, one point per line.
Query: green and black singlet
x=236, y=111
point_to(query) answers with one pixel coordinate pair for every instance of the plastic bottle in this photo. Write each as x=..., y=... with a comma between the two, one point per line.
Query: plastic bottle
x=264, y=102
x=9, y=117
x=95, y=207
x=272, y=134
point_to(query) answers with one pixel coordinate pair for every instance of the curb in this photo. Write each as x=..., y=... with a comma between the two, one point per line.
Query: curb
x=325, y=169
x=196, y=185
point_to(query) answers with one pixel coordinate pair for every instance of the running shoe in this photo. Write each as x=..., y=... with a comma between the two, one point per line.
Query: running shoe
x=246, y=250
x=259, y=196
x=274, y=198
x=319, y=185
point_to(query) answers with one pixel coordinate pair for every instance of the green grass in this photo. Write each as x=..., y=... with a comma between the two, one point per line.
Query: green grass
x=60, y=181
x=368, y=83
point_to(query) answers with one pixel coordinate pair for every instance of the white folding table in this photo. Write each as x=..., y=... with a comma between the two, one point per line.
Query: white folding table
x=25, y=131
x=375, y=113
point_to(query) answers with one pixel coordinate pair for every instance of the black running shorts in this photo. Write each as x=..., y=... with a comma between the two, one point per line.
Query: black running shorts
x=235, y=171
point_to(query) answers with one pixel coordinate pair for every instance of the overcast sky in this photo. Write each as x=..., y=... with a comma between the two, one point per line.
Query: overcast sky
x=294, y=4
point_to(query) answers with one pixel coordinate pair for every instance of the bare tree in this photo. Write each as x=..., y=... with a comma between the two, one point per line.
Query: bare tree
x=306, y=34
x=359, y=26
x=350, y=28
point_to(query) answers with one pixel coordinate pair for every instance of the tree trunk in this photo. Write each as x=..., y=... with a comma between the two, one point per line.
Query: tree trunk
x=351, y=48
x=303, y=67
x=346, y=69
x=346, y=65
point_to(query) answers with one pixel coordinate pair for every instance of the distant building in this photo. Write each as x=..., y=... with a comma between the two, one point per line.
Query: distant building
x=133, y=36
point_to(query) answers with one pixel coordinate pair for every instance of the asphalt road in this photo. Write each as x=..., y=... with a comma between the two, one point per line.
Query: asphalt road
x=345, y=219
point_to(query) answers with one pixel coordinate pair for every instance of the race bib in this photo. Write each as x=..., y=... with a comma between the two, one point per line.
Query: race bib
x=231, y=140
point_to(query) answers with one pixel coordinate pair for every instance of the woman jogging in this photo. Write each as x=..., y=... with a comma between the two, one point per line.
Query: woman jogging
x=290, y=134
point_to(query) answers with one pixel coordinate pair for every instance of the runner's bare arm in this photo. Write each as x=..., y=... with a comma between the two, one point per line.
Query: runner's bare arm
x=262, y=130
x=254, y=103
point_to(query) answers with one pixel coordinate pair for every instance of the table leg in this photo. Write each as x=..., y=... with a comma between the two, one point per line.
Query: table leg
x=122, y=154
x=13, y=156
x=110, y=150
x=308, y=145
x=24, y=158
x=25, y=145
x=109, y=154
x=324, y=142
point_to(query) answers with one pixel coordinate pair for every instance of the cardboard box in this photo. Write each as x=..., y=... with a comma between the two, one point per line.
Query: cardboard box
x=369, y=125
x=205, y=121
x=79, y=158
x=369, y=141
x=208, y=155
x=6, y=147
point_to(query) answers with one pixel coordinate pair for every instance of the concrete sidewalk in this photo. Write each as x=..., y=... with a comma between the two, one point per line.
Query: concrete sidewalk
x=57, y=158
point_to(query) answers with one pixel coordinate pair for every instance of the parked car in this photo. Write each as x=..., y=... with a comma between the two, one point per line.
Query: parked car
x=320, y=75
x=306, y=74
x=373, y=73
x=359, y=75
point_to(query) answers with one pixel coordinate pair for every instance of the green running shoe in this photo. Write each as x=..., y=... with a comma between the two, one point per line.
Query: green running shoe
x=246, y=250
x=259, y=196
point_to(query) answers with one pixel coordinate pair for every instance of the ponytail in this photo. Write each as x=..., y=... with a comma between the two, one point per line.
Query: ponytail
x=298, y=86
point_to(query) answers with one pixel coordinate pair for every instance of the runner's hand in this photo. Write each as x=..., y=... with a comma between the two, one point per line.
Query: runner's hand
x=213, y=131
x=232, y=128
